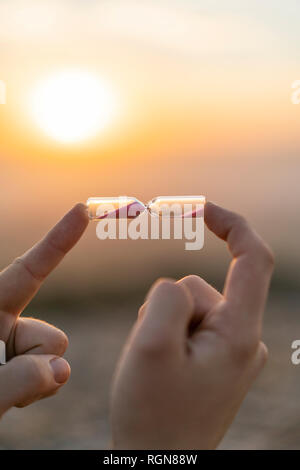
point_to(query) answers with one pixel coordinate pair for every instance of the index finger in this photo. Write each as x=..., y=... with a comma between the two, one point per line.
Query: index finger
x=250, y=271
x=23, y=277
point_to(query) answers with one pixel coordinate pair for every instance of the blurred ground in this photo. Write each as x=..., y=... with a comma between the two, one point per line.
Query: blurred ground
x=77, y=418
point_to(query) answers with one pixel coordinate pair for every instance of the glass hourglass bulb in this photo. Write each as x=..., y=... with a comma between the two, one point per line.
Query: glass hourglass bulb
x=122, y=207
x=177, y=206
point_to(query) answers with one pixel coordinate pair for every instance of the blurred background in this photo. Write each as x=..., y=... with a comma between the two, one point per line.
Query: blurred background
x=200, y=103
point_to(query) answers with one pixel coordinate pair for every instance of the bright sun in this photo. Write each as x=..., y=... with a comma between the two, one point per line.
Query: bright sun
x=73, y=105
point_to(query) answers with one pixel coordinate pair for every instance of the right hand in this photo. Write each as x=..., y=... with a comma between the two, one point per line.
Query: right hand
x=194, y=352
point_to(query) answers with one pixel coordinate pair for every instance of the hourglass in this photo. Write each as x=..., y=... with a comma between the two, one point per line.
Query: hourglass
x=125, y=207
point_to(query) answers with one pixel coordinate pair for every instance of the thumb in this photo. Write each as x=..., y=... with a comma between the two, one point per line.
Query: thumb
x=28, y=378
x=167, y=313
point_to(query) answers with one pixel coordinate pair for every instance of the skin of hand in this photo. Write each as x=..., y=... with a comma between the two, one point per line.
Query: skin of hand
x=35, y=368
x=194, y=353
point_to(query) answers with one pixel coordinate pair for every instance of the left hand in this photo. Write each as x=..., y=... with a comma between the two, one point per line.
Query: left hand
x=35, y=368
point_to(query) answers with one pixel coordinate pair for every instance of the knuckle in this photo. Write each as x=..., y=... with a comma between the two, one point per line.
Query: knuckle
x=161, y=282
x=263, y=254
x=192, y=282
x=61, y=343
x=166, y=285
x=238, y=220
x=160, y=286
x=20, y=262
x=267, y=256
x=192, y=278
x=34, y=372
x=262, y=354
x=244, y=350
x=179, y=293
x=17, y=261
x=241, y=219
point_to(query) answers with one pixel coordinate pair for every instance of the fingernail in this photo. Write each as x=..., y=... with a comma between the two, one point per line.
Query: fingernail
x=80, y=206
x=61, y=370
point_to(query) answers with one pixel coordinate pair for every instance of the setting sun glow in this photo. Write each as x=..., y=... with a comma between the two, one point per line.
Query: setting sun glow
x=73, y=105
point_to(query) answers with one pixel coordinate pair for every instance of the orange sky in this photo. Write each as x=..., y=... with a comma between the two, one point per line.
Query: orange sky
x=185, y=80
x=205, y=107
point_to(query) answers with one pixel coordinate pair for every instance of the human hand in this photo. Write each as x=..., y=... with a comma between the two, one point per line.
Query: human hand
x=35, y=369
x=194, y=352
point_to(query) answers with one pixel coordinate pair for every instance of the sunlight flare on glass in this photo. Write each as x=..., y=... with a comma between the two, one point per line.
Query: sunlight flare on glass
x=73, y=105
